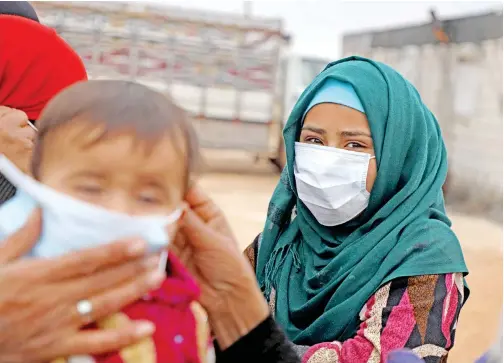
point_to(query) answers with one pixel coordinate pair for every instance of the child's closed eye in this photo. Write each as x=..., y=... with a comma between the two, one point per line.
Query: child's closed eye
x=90, y=189
x=150, y=198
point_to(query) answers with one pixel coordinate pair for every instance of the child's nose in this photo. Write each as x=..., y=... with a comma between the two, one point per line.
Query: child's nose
x=120, y=202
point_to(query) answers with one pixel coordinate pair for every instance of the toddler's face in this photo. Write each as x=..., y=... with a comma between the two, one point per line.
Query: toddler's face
x=117, y=173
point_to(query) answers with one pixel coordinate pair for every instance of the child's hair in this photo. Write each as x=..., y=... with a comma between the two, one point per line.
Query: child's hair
x=115, y=107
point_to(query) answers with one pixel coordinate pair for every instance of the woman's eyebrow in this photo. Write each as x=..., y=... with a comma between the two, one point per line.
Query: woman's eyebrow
x=315, y=129
x=355, y=133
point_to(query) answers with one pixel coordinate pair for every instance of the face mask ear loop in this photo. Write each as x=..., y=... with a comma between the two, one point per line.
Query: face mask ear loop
x=163, y=260
x=174, y=217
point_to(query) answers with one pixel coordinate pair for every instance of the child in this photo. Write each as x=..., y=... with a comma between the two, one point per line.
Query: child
x=112, y=159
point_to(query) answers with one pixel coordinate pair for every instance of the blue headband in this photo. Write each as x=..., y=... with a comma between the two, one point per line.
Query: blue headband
x=338, y=92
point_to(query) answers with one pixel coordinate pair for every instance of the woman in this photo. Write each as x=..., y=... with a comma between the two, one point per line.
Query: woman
x=35, y=64
x=357, y=257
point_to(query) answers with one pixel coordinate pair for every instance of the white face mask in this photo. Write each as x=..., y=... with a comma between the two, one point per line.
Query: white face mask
x=69, y=224
x=331, y=182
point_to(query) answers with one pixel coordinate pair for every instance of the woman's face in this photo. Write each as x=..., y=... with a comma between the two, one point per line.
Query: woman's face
x=338, y=126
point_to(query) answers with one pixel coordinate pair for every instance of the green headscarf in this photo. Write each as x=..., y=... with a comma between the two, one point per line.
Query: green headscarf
x=323, y=276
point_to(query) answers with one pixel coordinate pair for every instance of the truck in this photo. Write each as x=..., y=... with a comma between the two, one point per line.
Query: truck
x=298, y=71
x=233, y=73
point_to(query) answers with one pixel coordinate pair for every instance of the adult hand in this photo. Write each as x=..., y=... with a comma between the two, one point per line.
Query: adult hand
x=38, y=316
x=16, y=137
x=230, y=293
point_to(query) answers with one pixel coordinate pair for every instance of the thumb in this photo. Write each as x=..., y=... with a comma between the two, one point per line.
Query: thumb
x=22, y=241
x=198, y=234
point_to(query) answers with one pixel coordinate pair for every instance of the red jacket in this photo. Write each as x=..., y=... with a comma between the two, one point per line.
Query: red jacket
x=182, y=334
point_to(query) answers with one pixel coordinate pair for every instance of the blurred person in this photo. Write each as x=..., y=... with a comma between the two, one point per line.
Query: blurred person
x=357, y=257
x=35, y=64
x=38, y=316
x=494, y=354
x=113, y=160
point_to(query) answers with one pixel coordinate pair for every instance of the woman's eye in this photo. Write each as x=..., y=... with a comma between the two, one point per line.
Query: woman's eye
x=354, y=145
x=314, y=140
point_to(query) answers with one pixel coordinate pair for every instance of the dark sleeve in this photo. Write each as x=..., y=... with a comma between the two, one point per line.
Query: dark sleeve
x=264, y=344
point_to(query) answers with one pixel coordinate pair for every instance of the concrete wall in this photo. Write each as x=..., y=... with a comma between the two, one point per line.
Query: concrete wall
x=462, y=84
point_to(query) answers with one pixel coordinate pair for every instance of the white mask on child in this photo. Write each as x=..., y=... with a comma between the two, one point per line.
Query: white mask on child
x=69, y=224
x=331, y=182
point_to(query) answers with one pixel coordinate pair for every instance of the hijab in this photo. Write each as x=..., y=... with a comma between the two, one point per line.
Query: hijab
x=35, y=64
x=323, y=276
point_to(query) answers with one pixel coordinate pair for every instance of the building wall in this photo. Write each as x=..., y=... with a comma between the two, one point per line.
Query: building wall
x=462, y=84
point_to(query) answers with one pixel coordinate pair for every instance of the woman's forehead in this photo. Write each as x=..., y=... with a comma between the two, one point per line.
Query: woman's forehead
x=329, y=117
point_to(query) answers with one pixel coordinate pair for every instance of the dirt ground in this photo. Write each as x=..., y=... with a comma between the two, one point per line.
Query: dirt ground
x=244, y=194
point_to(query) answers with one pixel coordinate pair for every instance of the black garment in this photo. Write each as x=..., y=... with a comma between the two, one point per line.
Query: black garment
x=264, y=344
x=19, y=8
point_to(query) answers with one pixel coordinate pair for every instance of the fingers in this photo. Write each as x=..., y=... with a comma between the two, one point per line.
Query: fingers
x=94, y=342
x=114, y=300
x=195, y=197
x=198, y=234
x=26, y=132
x=202, y=204
x=105, y=280
x=22, y=241
x=13, y=116
x=180, y=248
x=88, y=261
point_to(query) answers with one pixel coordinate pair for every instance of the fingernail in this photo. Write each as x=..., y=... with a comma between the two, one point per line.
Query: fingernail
x=155, y=278
x=137, y=248
x=180, y=222
x=152, y=261
x=144, y=328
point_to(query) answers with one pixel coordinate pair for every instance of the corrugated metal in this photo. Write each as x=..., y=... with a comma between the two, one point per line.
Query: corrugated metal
x=472, y=29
